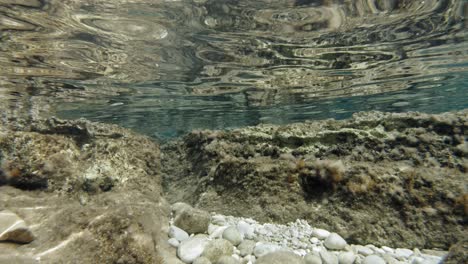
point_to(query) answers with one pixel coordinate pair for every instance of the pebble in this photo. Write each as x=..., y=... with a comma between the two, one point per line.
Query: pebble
x=173, y=242
x=373, y=259
x=346, y=257
x=312, y=259
x=246, y=230
x=246, y=247
x=262, y=249
x=192, y=248
x=335, y=242
x=280, y=257
x=232, y=235
x=402, y=253
x=217, y=248
x=177, y=233
x=328, y=258
x=13, y=228
x=365, y=251
x=320, y=233
x=246, y=241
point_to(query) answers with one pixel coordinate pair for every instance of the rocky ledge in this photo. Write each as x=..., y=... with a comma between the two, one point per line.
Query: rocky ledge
x=79, y=192
x=387, y=179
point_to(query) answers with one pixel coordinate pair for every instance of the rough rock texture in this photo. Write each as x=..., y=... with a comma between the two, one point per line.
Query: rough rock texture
x=378, y=178
x=90, y=193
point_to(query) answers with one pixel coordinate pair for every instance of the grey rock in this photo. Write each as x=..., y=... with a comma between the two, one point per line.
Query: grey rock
x=232, y=235
x=227, y=260
x=246, y=247
x=177, y=233
x=217, y=248
x=177, y=208
x=13, y=228
x=373, y=259
x=328, y=258
x=192, y=220
x=335, y=242
x=202, y=260
x=320, y=233
x=312, y=259
x=280, y=257
x=192, y=248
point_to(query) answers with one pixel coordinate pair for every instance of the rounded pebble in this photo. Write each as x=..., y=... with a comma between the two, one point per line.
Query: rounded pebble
x=202, y=260
x=320, y=233
x=227, y=260
x=192, y=248
x=217, y=248
x=373, y=259
x=335, y=242
x=177, y=233
x=232, y=235
x=346, y=257
x=246, y=247
x=173, y=242
x=262, y=249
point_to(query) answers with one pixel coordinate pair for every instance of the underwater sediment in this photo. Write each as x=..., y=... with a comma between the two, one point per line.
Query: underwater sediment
x=91, y=192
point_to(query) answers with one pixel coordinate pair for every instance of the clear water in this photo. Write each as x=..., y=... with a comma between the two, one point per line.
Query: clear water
x=166, y=67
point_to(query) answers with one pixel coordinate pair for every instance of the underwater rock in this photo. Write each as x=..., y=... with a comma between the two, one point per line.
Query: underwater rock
x=217, y=248
x=366, y=177
x=192, y=220
x=232, y=235
x=119, y=218
x=335, y=242
x=13, y=228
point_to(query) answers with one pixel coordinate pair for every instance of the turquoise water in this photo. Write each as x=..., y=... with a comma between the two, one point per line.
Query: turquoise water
x=166, y=67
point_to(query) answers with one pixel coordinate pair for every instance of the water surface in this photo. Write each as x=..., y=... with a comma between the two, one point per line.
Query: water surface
x=166, y=67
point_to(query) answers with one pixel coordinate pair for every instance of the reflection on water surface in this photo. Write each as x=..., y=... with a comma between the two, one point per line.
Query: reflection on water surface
x=165, y=67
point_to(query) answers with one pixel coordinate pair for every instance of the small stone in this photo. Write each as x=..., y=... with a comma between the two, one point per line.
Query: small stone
x=320, y=233
x=246, y=230
x=387, y=249
x=403, y=253
x=177, y=233
x=246, y=247
x=218, y=232
x=262, y=249
x=218, y=220
x=373, y=259
x=232, y=235
x=217, y=248
x=13, y=228
x=202, y=260
x=248, y=258
x=280, y=257
x=173, y=242
x=335, y=242
x=227, y=260
x=314, y=240
x=346, y=257
x=365, y=251
x=192, y=220
x=192, y=248
x=312, y=259
x=328, y=258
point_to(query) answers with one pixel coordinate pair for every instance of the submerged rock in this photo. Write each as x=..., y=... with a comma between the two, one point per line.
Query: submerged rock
x=13, y=228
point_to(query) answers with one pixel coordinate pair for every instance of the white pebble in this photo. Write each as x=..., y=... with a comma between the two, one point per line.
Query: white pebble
x=177, y=233
x=328, y=258
x=387, y=249
x=264, y=248
x=192, y=248
x=346, y=257
x=320, y=233
x=403, y=253
x=365, y=251
x=173, y=242
x=245, y=229
x=373, y=259
x=335, y=241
